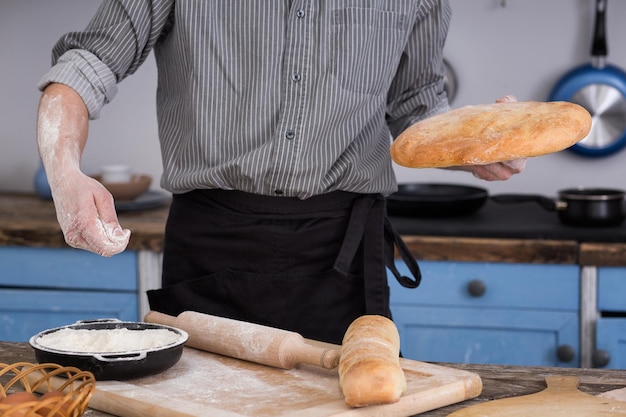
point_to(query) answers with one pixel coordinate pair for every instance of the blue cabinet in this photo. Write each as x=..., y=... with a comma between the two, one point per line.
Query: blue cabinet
x=41, y=288
x=496, y=313
x=611, y=325
x=611, y=342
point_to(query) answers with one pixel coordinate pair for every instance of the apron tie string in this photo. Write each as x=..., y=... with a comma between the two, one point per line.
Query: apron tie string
x=380, y=243
x=392, y=237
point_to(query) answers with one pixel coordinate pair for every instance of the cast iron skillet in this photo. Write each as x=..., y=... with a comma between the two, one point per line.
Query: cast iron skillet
x=435, y=200
x=117, y=365
x=588, y=207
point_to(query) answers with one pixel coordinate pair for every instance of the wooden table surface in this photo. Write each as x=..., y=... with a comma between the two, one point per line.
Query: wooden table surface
x=498, y=381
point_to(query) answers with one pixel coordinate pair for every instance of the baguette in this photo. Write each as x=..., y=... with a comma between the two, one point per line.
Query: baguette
x=488, y=133
x=369, y=366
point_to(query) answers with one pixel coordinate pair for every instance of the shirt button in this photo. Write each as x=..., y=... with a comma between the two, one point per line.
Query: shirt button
x=296, y=77
x=290, y=134
x=300, y=13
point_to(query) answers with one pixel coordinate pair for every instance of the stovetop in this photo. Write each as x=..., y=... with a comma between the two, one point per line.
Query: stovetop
x=525, y=220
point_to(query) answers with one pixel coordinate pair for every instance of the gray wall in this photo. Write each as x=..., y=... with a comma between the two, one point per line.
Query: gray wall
x=126, y=131
x=497, y=47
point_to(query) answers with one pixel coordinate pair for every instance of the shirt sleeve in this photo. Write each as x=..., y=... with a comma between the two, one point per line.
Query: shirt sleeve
x=417, y=90
x=115, y=43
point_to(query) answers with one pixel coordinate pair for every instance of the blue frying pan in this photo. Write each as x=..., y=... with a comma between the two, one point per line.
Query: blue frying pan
x=601, y=89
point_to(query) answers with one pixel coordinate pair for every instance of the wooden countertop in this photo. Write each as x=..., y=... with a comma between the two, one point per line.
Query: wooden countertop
x=444, y=248
x=498, y=381
x=26, y=220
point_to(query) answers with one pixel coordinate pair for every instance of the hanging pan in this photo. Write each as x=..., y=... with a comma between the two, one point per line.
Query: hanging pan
x=601, y=89
x=449, y=81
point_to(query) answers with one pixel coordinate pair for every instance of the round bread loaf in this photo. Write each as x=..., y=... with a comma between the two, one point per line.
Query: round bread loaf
x=369, y=366
x=488, y=133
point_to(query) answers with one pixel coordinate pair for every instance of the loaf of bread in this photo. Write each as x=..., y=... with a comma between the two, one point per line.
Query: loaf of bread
x=369, y=366
x=488, y=133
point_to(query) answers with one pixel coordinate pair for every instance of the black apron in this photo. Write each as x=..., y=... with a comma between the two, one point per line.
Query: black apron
x=310, y=266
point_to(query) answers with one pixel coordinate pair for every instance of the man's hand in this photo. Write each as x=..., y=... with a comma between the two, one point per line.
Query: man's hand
x=501, y=170
x=86, y=214
x=498, y=171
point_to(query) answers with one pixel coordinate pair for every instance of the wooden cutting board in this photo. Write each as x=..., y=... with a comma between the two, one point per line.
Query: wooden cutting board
x=207, y=384
x=561, y=398
x=616, y=394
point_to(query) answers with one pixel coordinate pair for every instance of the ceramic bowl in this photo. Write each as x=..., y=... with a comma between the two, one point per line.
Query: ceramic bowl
x=128, y=191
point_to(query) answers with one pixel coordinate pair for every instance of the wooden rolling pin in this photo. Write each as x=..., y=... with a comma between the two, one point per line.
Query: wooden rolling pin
x=247, y=341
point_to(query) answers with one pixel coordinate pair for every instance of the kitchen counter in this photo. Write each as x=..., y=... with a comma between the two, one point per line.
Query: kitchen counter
x=517, y=232
x=498, y=381
x=521, y=232
x=26, y=220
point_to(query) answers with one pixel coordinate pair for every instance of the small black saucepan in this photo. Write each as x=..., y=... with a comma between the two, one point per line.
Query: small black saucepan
x=435, y=200
x=588, y=207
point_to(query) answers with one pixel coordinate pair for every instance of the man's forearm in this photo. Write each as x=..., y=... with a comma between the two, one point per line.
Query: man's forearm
x=62, y=128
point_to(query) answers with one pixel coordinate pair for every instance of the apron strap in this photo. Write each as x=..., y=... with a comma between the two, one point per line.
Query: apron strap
x=393, y=239
x=369, y=224
x=354, y=233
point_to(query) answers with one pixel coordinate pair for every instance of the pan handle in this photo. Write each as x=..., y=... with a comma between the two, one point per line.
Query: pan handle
x=545, y=202
x=599, y=49
x=121, y=358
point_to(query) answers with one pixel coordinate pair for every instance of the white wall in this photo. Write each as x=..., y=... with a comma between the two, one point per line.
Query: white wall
x=126, y=131
x=497, y=47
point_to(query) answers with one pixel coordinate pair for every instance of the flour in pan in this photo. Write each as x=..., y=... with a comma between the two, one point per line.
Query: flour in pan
x=106, y=340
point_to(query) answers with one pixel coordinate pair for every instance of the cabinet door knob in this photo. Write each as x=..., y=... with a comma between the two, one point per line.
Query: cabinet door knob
x=476, y=288
x=600, y=358
x=565, y=353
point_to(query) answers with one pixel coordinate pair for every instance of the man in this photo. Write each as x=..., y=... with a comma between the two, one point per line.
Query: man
x=275, y=121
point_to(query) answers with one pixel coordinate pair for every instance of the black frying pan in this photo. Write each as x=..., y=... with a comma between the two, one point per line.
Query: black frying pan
x=435, y=200
x=601, y=89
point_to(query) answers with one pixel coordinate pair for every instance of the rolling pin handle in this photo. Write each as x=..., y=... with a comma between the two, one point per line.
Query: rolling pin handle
x=329, y=359
x=160, y=318
x=325, y=357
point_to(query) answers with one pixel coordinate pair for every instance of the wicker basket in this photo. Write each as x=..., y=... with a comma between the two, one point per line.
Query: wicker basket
x=78, y=387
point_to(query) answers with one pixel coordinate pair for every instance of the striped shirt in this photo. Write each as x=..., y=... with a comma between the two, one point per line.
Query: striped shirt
x=291, y=98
